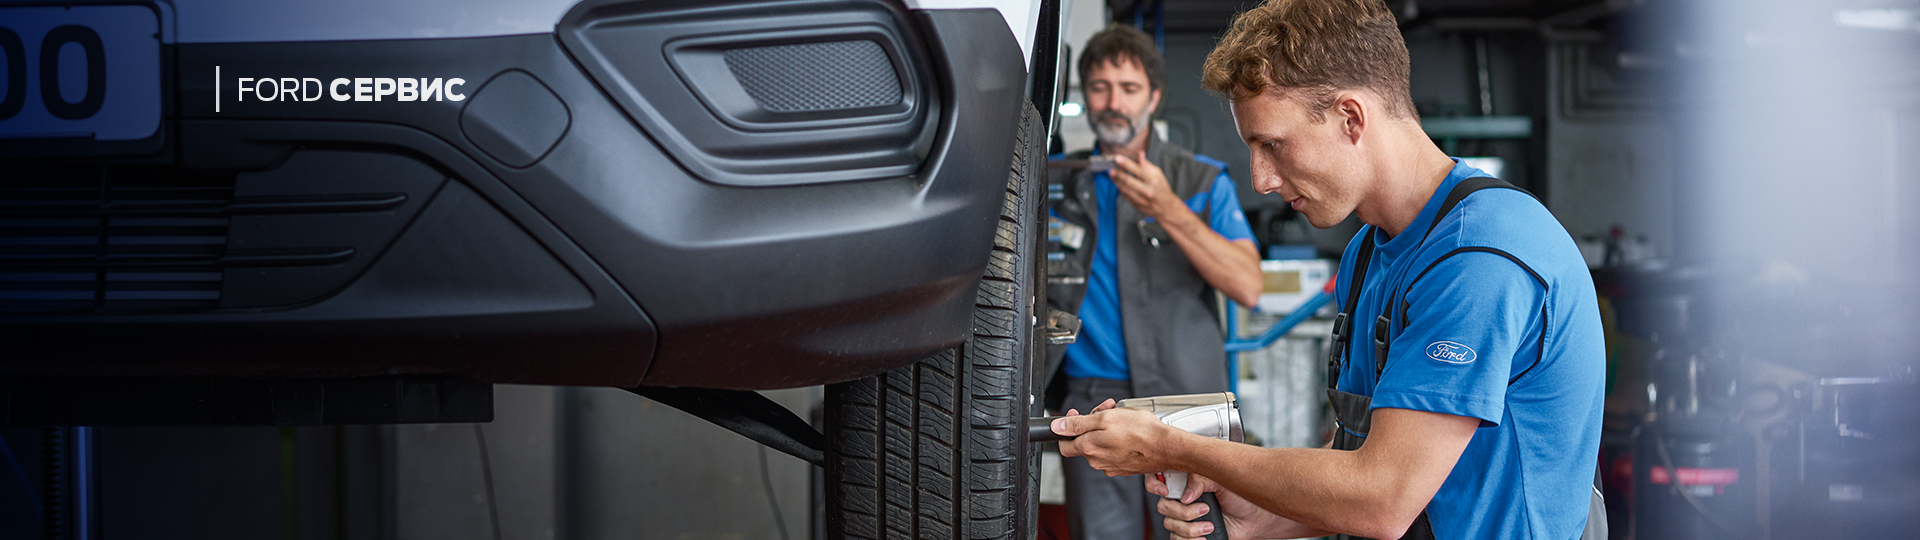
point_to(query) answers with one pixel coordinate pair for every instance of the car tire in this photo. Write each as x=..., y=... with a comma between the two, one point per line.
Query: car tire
x=938, y=448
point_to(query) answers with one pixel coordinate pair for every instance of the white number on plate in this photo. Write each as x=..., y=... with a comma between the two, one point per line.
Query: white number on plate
x=81, y=71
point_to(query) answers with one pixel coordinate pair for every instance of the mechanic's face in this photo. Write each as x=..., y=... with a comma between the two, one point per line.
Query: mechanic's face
x=1120, y=100
x=1314, y=165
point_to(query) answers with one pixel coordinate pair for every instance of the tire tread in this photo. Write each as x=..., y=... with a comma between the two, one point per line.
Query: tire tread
x=937, y=449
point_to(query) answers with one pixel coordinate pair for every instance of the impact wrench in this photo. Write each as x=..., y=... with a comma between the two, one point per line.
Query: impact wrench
x=1215, y=415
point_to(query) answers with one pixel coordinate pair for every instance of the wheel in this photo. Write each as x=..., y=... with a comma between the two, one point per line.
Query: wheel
x=938, y=449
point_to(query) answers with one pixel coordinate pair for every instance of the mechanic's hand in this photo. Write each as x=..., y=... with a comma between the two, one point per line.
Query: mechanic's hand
x=1119, y=442
x=1243, y=518
x=1144, y=185
x=1067, y=444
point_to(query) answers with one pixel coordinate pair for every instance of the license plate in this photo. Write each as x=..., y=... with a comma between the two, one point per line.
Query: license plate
x=80, y=72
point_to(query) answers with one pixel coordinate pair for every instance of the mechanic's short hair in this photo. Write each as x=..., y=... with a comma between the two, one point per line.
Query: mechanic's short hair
x=1312, y=50
x=1120, y=43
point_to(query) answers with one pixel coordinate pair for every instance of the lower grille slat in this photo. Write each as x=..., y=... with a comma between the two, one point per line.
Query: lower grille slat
x=65, y=247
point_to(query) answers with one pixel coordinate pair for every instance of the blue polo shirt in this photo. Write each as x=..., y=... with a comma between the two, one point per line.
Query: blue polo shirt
x=1101, y=350
x=1519, y=348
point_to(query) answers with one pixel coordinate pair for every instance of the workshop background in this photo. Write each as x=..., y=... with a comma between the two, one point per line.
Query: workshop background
x=1744, y=177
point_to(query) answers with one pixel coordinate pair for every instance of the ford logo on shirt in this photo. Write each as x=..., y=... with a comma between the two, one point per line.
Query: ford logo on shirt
x=1450, y=352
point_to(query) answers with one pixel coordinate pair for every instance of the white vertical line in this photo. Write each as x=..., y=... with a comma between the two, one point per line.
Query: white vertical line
x=216, y=88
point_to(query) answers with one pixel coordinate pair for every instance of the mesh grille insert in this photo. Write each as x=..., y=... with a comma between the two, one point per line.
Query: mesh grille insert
x=111, y=239
x=812, y=77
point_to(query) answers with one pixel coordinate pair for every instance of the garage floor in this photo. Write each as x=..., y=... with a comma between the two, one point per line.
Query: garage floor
x=577, y=463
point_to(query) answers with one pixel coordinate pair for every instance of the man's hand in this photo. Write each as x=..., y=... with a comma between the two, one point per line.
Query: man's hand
x=1145, y=185
x=1119, y=442
x=1243, y=519
x=1230, y=266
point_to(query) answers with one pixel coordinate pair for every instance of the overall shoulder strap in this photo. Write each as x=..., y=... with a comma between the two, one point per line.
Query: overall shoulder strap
x=1460, y=192
x=1383, y=324
x=1343, y=323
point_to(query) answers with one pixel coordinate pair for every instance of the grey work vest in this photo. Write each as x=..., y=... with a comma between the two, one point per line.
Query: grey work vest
x=1174, y=341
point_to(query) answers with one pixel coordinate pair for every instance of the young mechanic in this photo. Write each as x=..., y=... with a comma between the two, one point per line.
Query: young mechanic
x=1477, y=412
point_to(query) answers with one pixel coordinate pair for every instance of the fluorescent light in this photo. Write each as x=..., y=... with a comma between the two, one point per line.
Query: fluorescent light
x=1070, y=109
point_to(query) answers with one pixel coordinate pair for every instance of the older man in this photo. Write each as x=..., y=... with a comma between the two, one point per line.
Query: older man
x=1158, y=233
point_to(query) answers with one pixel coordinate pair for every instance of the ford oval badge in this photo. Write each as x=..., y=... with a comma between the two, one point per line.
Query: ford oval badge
x=1450, y=352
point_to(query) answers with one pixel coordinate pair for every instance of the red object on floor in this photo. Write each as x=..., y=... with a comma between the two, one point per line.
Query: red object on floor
x=1053, y=522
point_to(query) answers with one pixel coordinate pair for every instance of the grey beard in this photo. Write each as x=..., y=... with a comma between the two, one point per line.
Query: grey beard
x=1114, y=136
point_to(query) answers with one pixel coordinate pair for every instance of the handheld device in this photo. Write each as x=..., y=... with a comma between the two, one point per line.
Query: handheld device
x=1215, y=415
x=1093, y=163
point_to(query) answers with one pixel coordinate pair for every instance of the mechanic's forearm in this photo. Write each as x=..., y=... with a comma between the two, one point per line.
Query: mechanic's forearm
x=1232, y=267
x=1286, y=528
x=1328, y=490
x=1299, y=531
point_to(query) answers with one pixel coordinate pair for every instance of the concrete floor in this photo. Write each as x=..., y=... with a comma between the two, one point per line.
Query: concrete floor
x=632, y=468
x=575, y=463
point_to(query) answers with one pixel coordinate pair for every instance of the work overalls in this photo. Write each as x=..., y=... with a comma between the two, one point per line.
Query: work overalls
x=1353, y=413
